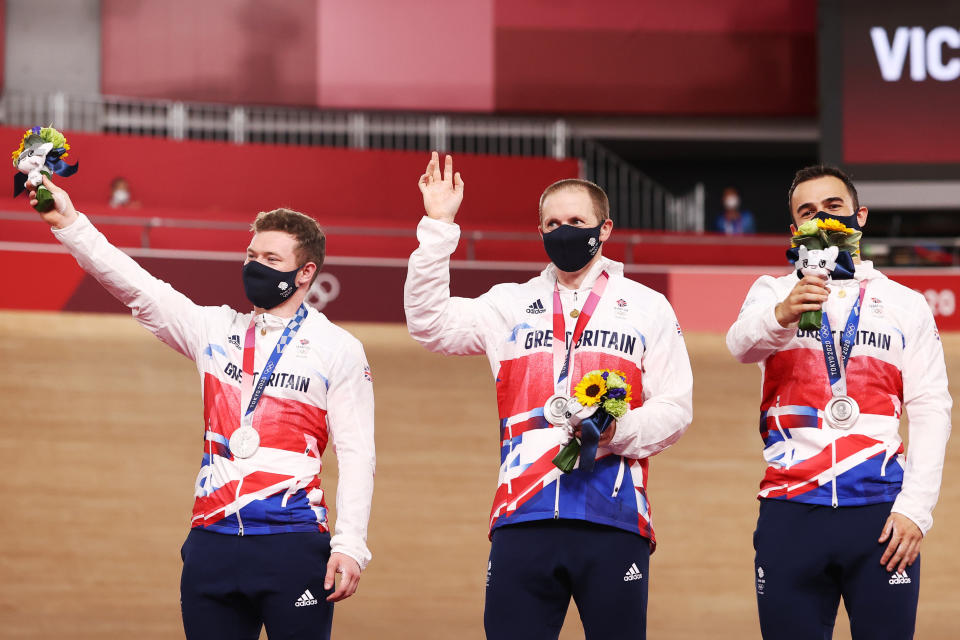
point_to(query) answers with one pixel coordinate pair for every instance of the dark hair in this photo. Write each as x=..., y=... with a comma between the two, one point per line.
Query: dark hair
x=601, y=205
x=819, y=171
x=311, y=242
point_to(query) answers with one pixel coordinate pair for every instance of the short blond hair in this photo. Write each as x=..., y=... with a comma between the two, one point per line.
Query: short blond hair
x=601, y=204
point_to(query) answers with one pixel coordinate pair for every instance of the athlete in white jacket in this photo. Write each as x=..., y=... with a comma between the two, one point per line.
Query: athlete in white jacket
x=260, y=473
x=840, y=508
x=585, y=533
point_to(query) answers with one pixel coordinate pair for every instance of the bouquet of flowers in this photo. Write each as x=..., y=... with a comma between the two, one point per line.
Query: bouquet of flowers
x=823, y=247
x=601, y=397
x=41, y=153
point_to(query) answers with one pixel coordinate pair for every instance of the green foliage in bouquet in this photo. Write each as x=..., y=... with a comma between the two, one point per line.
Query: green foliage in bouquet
x=817, y=235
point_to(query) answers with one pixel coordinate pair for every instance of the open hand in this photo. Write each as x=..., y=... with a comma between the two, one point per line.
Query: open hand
x=63, y=214
x=905, y=538
x=349, y=572
x=442, y=193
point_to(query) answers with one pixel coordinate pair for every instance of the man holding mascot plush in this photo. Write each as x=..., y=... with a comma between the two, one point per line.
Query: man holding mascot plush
x=843, y=351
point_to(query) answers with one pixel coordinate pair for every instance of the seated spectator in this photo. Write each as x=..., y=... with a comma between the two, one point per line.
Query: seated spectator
x=120, y=195
x=734, y=220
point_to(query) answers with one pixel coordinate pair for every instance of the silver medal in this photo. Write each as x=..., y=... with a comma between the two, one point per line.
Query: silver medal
x=554, y=411
x=841, y=412
x=244, y=442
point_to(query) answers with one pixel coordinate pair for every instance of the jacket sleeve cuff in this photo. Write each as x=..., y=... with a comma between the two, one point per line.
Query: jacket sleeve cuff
x=350, y=546
x=627, y=428
x=773, y=327
x=438, y=235
x=65, y=234
x=924, y=521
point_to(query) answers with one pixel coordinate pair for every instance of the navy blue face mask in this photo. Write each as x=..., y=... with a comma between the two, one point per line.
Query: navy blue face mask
x=266, y=287
x=850, y=221
x=571, y=248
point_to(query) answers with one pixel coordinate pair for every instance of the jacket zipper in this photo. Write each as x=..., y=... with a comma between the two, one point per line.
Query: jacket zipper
x=239, y=519
x=556, y=502
x=616, y=486
x=833, y=468
x=509, y=454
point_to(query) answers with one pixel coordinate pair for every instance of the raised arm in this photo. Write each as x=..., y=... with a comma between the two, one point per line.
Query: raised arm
x=766, y=323
x=165, y=312
x=438, y=321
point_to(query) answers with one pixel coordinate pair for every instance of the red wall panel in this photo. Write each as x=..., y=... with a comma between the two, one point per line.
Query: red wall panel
x=3, y=38
x=688, y=57
x=249, y=51
x=682, y=16
x=431, y=55
x=691, y=57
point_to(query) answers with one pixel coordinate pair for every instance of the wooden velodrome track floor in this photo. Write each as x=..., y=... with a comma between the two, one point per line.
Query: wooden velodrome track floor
x=100, y=444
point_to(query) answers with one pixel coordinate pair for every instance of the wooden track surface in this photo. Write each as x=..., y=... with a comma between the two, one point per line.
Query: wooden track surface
x=100, y=442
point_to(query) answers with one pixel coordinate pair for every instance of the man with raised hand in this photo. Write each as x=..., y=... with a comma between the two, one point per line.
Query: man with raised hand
x=585, y=534
x=841, y=513
x=278, y=382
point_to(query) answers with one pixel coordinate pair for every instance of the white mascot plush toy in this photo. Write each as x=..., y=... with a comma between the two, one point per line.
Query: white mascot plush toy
x=33, y=160
x=817, y=262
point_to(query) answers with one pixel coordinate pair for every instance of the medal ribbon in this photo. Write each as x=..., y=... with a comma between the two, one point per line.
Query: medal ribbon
x=590, y=431
x=560, y=348
x=837, y=367
x=247, y=390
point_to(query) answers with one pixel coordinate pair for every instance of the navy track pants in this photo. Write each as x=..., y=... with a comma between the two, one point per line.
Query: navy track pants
x=809, y=556
x=231, y=586
x=535, y=568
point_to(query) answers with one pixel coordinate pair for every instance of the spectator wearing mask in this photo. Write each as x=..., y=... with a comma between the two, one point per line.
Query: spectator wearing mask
x=120, y=195
x=734, y=220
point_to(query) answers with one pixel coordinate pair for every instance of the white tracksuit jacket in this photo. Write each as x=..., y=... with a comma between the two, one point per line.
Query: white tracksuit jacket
x=633, y=330
x=321, y=388
x=896, y=364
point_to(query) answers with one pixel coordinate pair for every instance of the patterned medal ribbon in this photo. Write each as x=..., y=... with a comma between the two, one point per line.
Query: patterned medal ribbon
x=247, y=389
x=837, y=366
x=590, y=433
x=560, y=349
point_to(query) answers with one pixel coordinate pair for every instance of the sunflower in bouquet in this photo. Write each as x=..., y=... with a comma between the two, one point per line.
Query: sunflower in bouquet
x=605, y=396
x=823, y=247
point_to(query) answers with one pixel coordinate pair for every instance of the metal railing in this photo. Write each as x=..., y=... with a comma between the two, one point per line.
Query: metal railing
x=913, y=252
x=886, y=252
x=636, y=201
x=471, y=238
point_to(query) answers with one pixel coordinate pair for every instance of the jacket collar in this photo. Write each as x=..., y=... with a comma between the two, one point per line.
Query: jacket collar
x=865, y=271
x=612, y=267
x=270, y=321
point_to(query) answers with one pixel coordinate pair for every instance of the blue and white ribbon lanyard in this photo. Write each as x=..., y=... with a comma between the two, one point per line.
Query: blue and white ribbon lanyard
x=245, y=441
x=837, y=366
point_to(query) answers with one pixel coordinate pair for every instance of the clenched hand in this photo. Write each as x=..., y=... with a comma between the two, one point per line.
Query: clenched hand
x=808, y=294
